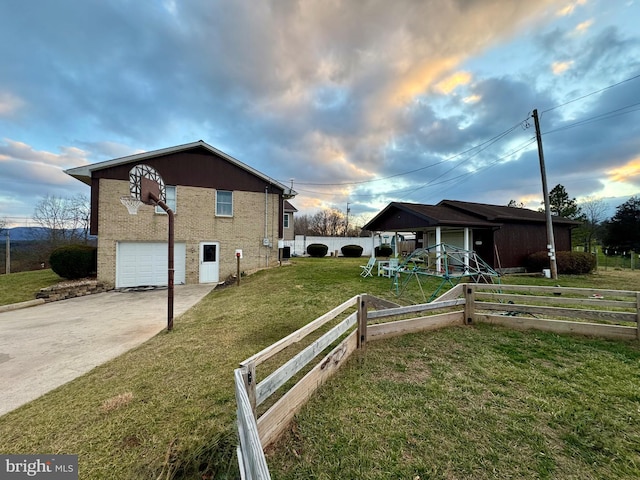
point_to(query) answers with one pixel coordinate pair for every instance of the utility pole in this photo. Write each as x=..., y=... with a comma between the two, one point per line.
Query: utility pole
x=346, y=230
x=8, y=255
x=551, y=244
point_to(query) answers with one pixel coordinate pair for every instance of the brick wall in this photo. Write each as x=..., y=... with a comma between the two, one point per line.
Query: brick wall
x=195, y=222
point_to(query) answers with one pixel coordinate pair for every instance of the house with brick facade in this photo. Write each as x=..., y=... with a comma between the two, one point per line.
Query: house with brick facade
x=222, y=207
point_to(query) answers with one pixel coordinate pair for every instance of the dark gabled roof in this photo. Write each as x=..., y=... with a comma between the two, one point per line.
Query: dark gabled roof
x=84, y=172
x=501, y=213
x=288, y=207
x=443, y=215
x=401, y=216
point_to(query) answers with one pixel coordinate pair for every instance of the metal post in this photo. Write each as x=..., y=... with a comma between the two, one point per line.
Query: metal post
x=170, y=259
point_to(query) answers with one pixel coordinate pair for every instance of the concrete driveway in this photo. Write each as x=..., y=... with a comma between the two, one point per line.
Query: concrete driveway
x=46, y=346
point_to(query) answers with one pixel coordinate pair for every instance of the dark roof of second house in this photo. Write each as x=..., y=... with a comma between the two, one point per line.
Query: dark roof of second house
x=288, y=207
x=401, y=216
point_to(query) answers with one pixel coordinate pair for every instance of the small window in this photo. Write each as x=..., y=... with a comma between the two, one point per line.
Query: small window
x=285, y=222
x=170, y=193
x=224, y=203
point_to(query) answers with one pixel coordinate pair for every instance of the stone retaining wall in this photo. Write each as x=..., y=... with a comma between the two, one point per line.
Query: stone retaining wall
x=63, y=291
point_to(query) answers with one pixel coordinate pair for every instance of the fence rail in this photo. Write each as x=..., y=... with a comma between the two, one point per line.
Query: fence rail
x=553, y=309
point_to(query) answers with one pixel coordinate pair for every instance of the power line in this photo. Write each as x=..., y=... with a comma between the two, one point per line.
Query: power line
x=591, y=93
x=465, y=176
x=489, y=141
x=596, y=118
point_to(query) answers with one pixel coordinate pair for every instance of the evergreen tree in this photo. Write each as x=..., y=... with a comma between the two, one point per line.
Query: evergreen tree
x=623, y=230
x=563, y=206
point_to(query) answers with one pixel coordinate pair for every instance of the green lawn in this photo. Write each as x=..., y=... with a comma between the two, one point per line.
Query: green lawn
x=23, y=286
x=167, y=408
x=476, y=402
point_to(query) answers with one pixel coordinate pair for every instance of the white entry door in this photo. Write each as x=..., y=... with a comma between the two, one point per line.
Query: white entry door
x=209, y=262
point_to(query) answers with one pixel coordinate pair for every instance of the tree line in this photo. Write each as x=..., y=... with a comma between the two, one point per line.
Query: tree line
x=617, y=235
x=62, y=221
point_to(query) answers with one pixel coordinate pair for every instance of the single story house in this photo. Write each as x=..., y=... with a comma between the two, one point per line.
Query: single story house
x=222, y=207
x=502, y=236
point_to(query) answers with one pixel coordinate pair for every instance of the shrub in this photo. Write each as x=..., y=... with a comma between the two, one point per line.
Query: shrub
x=351, y=251
x=384, y=250
x=569, y=263
x=317, y=250
x=74, y=261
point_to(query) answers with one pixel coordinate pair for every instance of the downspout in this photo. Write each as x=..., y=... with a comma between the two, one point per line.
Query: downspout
x=265, y=240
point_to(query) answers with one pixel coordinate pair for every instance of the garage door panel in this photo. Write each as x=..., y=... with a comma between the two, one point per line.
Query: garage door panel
x=145, y=263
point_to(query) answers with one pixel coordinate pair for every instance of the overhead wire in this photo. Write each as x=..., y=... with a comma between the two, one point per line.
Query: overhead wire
x=489, y=141
x=603, y=116
x=463, y=177
x=582, y=97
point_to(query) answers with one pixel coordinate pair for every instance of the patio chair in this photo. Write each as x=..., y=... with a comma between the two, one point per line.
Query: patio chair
x=391, y=268
x=366, y=269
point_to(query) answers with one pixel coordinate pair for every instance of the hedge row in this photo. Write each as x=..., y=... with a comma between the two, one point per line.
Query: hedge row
x=569, y=263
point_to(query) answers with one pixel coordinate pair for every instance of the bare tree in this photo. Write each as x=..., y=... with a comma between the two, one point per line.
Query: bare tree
x=328, y=222
x=515, y=204
x=63, y=218
x=594, y=212
x=302, y=224
x=3, y=226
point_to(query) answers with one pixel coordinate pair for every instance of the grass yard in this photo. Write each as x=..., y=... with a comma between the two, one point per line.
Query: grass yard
x=166, y=409
x=474, y=403
x=23, y=286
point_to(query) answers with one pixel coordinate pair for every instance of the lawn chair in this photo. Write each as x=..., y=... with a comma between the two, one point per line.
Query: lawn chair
x=366, y=269
x=391, y=268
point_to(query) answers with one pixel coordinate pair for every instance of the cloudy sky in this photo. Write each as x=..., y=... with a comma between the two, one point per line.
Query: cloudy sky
x=359, y=102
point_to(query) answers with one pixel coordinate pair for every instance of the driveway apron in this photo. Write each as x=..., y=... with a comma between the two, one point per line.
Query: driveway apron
x=46, y=346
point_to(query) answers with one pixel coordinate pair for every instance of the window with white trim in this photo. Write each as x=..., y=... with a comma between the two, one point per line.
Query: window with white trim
x=285, y=221
x=224, y=203
x=170, y=193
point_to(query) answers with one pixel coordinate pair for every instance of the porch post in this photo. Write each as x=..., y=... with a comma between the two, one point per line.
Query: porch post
x=438, y=249
x=467, y=245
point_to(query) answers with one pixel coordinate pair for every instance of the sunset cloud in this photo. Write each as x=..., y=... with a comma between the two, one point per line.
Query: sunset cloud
x=629, y=172
x=571, y=7
x=452, y=82
x=558, y=68
x=436, y=95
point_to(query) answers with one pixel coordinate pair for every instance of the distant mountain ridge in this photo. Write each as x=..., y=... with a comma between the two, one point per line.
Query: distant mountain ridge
x=25, y=234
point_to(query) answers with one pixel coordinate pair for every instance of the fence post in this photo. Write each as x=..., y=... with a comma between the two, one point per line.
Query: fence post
x=362, y=320
x=249, y=377
x=469, y=305
x=638, y=315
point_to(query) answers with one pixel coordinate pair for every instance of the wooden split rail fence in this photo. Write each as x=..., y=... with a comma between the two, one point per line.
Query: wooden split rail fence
x=612, y=314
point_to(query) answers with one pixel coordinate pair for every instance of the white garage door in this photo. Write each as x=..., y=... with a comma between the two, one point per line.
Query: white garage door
x=142, y=263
